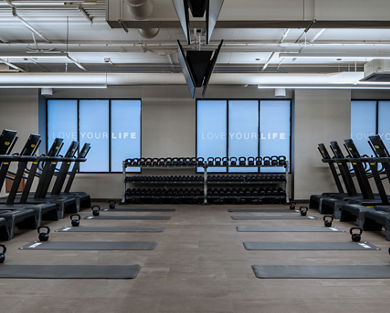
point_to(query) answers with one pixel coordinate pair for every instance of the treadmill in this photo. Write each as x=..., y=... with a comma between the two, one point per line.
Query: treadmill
x=47, y=165
x=83, y=199
x=377, y=216
x=329, y=205
x=355, y=209
x=16, y=215
x=315, y=200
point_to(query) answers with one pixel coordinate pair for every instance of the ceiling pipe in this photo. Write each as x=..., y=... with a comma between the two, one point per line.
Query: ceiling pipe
x=142, y=9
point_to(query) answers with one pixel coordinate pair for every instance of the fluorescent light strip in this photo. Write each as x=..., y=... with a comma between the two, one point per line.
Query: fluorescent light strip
x=55, y=86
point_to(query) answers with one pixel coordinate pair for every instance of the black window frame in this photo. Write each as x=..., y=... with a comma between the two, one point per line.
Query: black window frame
x=259, y=131
x=109, y=129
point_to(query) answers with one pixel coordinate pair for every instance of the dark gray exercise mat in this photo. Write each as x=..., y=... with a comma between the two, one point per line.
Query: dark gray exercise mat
x=138, y=210
x=69, y=271
x=127, y=217
x=262, y=210
x=106, y=229
x=288, y=229
x=274, y=217
x=322, y=271
x=309, y=245
x=90, y=245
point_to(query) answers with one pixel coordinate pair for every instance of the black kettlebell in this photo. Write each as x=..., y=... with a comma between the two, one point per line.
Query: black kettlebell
x=356, y=237
x=292, y=205
x=95, y=210
x=328, y=220
x=2, y=253
x=111, y=204
x=303, y=210
x=75, y=220
x=43, y=235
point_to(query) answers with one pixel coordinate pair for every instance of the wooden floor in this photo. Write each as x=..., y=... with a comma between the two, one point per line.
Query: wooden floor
x=199, y=265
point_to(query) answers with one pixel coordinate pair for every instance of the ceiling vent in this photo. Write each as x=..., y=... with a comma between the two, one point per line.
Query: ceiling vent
x=377, y=71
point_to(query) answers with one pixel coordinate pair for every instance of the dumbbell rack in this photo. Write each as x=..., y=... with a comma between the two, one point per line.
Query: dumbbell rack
x=205, y=182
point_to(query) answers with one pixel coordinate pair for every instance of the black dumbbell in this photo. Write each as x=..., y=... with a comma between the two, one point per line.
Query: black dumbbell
x=75, y=219
x=95, y=210
x=328, y=220
x=2, y=252
x=356, y=237
x=43, y=235
x=303, y=210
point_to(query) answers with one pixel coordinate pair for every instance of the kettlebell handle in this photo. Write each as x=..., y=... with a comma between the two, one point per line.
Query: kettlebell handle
x=328, y=216
x=75, y=215
x=43, y=227
x=356, y=228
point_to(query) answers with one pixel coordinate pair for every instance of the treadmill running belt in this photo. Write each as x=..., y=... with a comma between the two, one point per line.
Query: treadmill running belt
x=288, y=229
x=308, y=245
x=274, y=217
x=127, y=217
x=105, y=229
x=90, y=245
x=322, y=271
x=69, y=271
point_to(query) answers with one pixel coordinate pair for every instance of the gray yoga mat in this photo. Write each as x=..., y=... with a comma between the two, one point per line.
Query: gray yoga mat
x=262, y=210
x=274, y=217
x=127, y=217
x=138, y=210
x=90, y=245
x=69, y=271
x=106, y=229
x=288, y=229
x=322, y=271
x=299, y=245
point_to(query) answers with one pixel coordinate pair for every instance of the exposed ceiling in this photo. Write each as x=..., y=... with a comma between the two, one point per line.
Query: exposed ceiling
x=74, y=36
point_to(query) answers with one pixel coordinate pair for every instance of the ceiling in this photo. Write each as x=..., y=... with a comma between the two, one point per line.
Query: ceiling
x=50, y=36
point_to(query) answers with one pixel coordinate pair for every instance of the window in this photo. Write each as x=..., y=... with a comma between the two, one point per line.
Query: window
x=112, y=127
x=234, y=128
x=369, y=117
x=211, y=130
x=363, y=124
x=94, y=129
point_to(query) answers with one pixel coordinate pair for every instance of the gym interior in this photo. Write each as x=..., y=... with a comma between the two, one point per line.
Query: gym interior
x=210, y=156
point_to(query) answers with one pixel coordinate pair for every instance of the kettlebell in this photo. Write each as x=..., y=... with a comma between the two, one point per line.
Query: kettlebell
x=328, y=220
x=356, y=237
x=303, y=210
x=43, y=235
x=111, y=204
x=95, y=210
x=2, y=253
x=292, y=205
x=75, y=220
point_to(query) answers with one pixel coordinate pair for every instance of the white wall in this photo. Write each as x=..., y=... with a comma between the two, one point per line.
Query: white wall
x=320, y=117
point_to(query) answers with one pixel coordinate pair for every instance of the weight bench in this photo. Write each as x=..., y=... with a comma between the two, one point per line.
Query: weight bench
x=375, y=220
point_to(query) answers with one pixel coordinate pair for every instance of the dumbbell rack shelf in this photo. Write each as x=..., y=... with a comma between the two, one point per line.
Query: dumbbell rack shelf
x=205, y=182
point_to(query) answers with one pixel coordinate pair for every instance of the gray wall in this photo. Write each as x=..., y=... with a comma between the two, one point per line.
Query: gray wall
x=320, y=116
x=168, y=126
